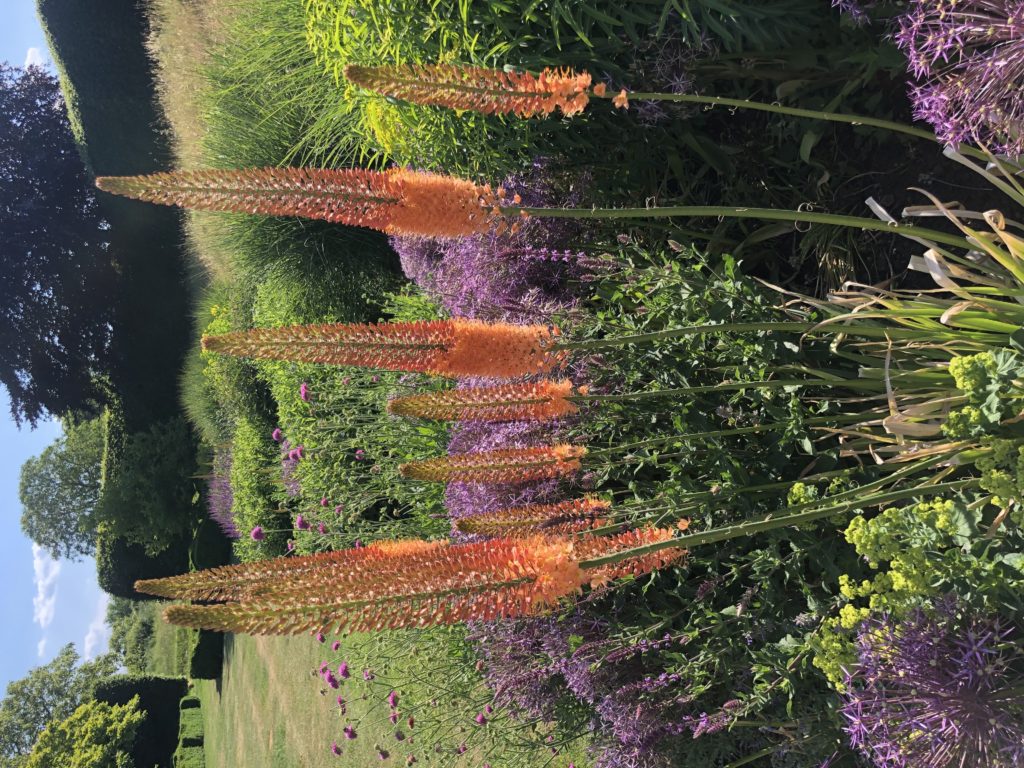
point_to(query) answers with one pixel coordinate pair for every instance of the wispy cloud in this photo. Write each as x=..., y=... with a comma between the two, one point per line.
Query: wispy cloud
x=45, y=572
x=98, y=634
x=41, y=647
x=34, y=58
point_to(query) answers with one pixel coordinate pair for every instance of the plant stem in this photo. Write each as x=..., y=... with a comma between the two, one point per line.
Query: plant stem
x=771, y=522
x=771, y=384
x=771, y=214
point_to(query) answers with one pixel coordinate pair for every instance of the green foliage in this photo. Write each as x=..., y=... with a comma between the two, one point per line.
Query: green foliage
x=190, y=702
x=59, y=491
x=120, y=563
x=96, y=735
x=190, y=730
x=47, y=694
x=199, y=402
x=210, y=547
x=158, y=698
x=149, y=499
x=207, y=656
x=254, y=473
x=189, y=757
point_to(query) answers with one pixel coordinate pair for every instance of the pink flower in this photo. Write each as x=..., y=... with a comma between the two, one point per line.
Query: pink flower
x=321, y=528
x=299, y=452
x=488, y=709
x=368, y=675
x=393, y=717
x=392, y=699
x=383, y=754
x=349, y=731
x=343, y=670
x=375, y=378
x=360, y=454
x=480, y=719
x=335, y=748
x=304, y=392
x=357, y=544
x=399, y=736
x=276, y=434
x=320, y=637
x=411, y=722
x=462, y=749
x=331, y=680
x=346, y=381
x=341, y=701
x=339, y=509
x=335, y=645
x=300, y=523
x=256, y=534
x=324, y=502
x=291, y=545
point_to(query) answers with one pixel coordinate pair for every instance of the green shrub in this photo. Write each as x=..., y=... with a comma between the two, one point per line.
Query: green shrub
x=96, y=734
x=120, y=563
x=190, y=729
x=158, y=697
x=190, y=702
x=210, y=547
x=207, y=659
x=189, y=757
x=255, y=473
x=148, y=499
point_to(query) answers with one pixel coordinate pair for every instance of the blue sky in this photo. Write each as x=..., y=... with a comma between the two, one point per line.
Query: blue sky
x=44, y=604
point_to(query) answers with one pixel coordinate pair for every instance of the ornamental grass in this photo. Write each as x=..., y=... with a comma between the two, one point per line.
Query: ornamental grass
x=440, y=347
x=405, y=584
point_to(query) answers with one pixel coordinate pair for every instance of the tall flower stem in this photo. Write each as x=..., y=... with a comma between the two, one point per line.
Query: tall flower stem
x=772, y=522
x=768, y=214
x=730, y=387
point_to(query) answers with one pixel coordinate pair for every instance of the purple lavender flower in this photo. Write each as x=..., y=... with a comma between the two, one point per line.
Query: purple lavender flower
x=968, y=59
x=936, y=691
x=220, y=497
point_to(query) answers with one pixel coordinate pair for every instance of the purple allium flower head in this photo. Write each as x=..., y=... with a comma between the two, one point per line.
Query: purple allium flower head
x=343, y=670
x=256, y=534
x=935, y=690
x=335, y=748
x=304, y=392
x=854, y=9
x=393, y=717
x=968, y=59
x=301, y=523
x=277, y=434
x=330, y=679
x=350, y=732
x=393, y=699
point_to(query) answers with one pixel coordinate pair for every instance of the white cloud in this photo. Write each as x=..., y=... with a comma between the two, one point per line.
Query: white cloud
x=41, y=648
x=98, y=634
x=45, y=570
x=34, y=58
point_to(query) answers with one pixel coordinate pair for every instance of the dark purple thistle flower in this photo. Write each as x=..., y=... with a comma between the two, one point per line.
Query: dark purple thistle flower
x=937, y=691
x=968, y=59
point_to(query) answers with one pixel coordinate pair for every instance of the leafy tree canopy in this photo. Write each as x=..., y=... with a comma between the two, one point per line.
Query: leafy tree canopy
x=60, y=491
x=96, y=735
x=57, y=279
x=49, y=693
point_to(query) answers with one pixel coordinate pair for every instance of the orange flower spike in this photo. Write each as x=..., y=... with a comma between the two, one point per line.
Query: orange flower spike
x=562, y=517
x=441, y=347
x=637, y=566
x=621, y=101
x=532, y=401
x=515, y=465
x=490, y=91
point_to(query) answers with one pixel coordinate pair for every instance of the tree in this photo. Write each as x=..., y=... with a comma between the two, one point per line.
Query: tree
x=60, y=491
x=57, y=279
x=96, y=735
x=49, y=693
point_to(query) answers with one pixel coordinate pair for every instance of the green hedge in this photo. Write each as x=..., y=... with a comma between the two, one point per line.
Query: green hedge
x=210, y=547
x=190, y=702
x=157, y=737
x=106, y=76
x=207, y=657
x=189, y=757
x=119, y=563
x=190, y=729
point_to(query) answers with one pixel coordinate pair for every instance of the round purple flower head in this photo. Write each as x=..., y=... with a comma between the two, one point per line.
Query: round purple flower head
x=304, y=392
x=343, y=670
x=256, y=534
x=349, y=731
x=300, y=523
x=335, y=748
x=277, y=435
x=393, y=699
x=937, y=690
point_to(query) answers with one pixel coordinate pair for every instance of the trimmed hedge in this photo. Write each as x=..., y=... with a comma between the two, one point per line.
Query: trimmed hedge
x=189, y=757
x=190, y=729
x=190, y=702
x=207, y=656
x=157, y=737
x=119, y=564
